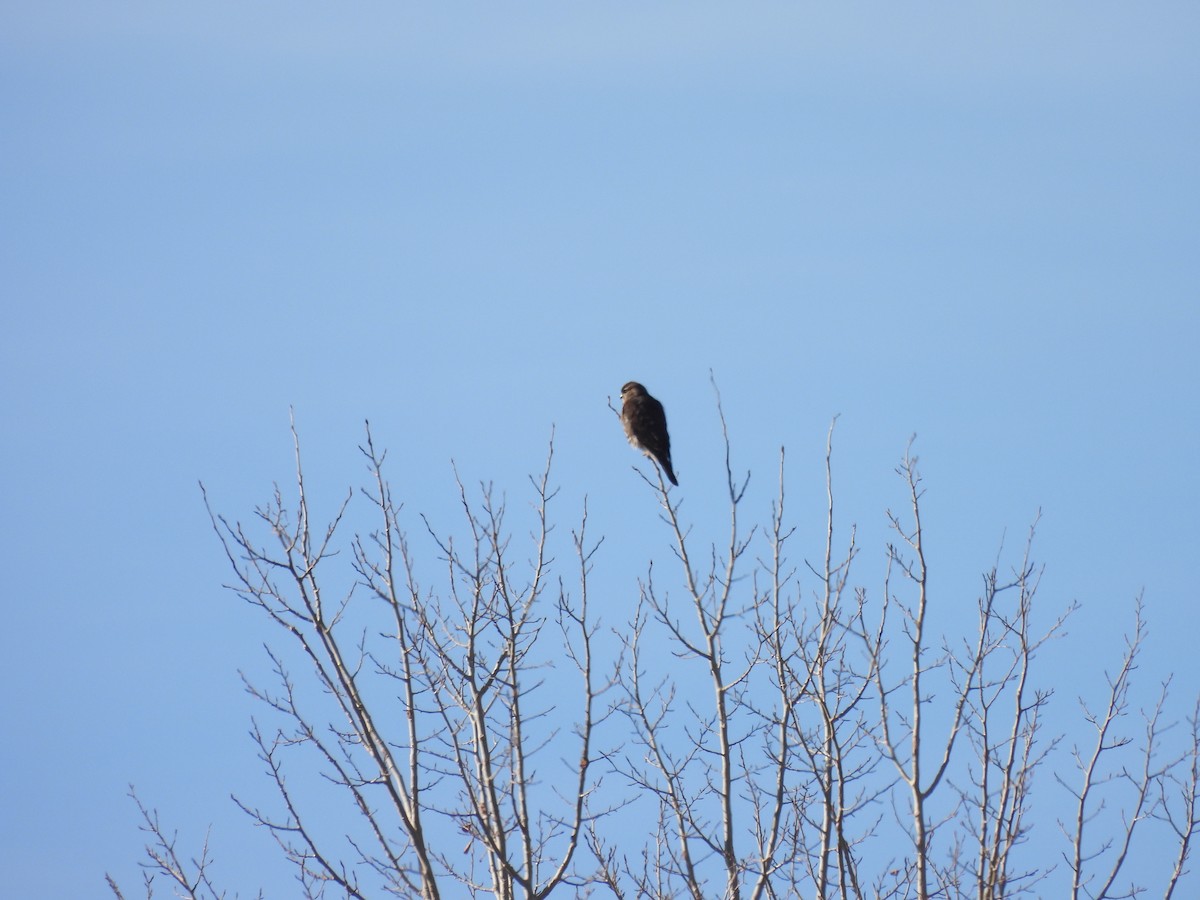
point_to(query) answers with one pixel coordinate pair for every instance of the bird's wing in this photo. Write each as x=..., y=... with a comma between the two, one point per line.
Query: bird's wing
x=652, y=427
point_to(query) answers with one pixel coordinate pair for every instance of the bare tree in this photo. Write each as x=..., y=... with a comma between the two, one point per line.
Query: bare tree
x=431, y=725
x=189, y=876
x=757, y=729
x=1004, y=727
x=1156, y=785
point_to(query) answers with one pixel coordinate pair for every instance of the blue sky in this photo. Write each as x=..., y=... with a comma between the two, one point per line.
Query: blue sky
x=470, y=224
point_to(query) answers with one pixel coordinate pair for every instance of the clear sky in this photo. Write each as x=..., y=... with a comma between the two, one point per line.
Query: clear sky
x=470, y=223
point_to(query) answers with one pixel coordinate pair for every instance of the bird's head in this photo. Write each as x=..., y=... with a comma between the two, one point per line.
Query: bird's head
x=632, y=389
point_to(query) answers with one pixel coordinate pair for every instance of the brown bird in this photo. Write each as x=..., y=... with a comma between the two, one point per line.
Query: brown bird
x=646, y=426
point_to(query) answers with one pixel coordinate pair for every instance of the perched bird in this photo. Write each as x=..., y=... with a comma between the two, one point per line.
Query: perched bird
x=646, y=426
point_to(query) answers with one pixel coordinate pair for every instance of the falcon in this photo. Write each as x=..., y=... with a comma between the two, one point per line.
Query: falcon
x=646, y=426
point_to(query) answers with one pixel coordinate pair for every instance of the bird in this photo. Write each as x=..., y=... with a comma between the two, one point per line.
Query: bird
x=646, y=426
